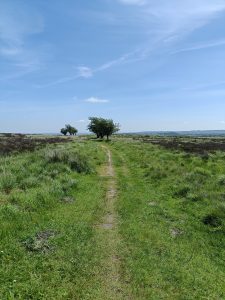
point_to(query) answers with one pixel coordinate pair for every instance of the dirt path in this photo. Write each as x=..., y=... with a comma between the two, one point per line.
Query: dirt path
x=109, y=237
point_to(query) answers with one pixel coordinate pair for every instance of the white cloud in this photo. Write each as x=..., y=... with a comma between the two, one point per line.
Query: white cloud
x=82, y=121
x=222, y=122
x=96, y=100
x=85, y=72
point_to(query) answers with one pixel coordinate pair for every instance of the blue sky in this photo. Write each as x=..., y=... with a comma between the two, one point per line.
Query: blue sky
x=148, y=64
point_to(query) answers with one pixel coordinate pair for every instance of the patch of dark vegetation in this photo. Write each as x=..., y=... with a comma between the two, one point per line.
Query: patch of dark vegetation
x=40, y=242
x=182, y=191
x=221, y=180
x=201, y=146
x=212, y=220
x=216, y=217
x=18, y=143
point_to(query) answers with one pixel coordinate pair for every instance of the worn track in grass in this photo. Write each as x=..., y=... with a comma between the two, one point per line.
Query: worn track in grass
x=108, y=237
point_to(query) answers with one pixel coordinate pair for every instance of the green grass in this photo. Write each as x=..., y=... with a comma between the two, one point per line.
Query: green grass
x=172, y=222
x=33, y=189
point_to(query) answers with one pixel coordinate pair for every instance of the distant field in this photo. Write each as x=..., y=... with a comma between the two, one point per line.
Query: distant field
x=134, y=218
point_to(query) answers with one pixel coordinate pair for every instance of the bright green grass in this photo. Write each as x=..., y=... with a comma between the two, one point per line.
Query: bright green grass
x=167, y=251
x=32, y=193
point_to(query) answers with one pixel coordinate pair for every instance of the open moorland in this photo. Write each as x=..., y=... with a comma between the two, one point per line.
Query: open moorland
x=137, y=217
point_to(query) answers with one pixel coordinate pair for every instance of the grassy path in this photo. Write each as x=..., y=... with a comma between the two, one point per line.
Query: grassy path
x=108, y=238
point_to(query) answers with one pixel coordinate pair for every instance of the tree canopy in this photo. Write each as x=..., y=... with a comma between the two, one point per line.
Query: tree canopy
x=102, y=127
x=69, y=129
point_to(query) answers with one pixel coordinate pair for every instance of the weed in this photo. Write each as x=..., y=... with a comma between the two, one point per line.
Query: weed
x=40, y=242
x=221, y=180
x=7, y=182
x=9, y=211
x=201, y=171
x=182, y=191
x=194, y=197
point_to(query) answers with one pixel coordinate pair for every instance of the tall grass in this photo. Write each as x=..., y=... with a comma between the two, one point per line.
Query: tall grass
x=47, y=249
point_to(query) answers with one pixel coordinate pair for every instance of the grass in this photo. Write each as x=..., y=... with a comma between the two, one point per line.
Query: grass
x=169, y=238
x=172, y=222
x=47, y=245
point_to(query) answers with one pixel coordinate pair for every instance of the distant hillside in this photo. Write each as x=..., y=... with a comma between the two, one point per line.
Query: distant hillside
x=183, y=133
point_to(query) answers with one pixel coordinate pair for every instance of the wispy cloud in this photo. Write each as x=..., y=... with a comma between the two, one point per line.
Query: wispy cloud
x=206, y=86
x=17, y=24
x=122, y=59
x=88, y=72
x=172, y=20
x=85, y=72
x=96, y=100
x=165, y=23
x=207, y=45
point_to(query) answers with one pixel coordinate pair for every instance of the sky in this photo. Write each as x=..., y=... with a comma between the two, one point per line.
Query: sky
x=147, y=64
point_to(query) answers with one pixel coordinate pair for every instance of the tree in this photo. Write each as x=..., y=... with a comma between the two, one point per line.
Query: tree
x=64, y=131
x=102, y=127
x=73, y=131
x=69, y=129
x=95, y=126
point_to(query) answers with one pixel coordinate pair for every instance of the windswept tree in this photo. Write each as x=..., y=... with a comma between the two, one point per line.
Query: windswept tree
x=73, y=131
x=64, y=131
x=102, y=127
x=69, y=129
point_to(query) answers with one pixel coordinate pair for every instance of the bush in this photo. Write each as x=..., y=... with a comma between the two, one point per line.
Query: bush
x=75, y=160
x=57, y=155
x=79, y=164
